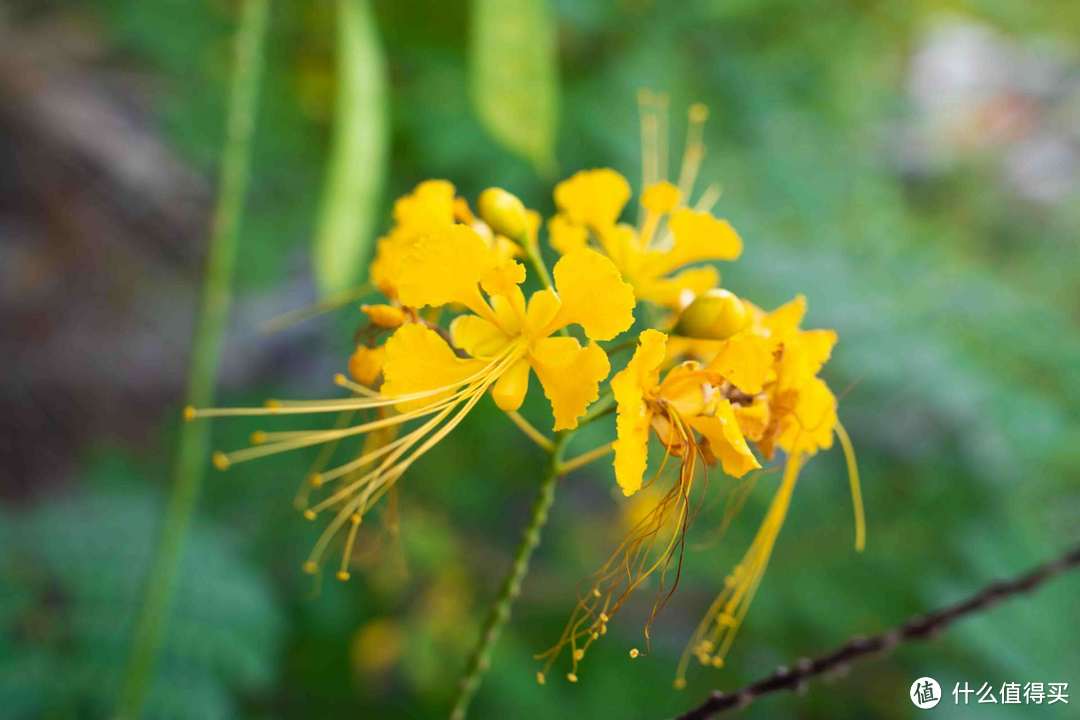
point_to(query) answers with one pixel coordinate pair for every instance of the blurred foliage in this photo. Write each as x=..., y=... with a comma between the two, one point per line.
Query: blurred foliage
x=71, y=573
x=357, y=163
x=957, y=302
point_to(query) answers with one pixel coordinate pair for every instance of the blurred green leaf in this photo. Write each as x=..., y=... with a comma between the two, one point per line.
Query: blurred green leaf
x=514, y=75
x=358, y=153
x=71, y=570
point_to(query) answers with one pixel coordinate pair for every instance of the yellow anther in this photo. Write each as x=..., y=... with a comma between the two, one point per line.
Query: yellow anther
x=258, y=437
x=596, y=636
x=343, y=575
x=596, y=592
x=315, y=480
x=698, y=113
x=540, y=679
x=189, y=413
x=717, y=661
x=355, y=519
x=503, y=212
x=309, y=514
x=579, y=654
x=634, y=652
x=603, y=617
x=572, y=677
x=679, y=684
x=340, y=379
x=272, y=404
x=726, y=619
x=715, y=314
x=603, y=629
x=310, y=567
x=220, y=460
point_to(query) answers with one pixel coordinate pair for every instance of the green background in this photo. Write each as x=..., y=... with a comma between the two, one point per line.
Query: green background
x=955, y=291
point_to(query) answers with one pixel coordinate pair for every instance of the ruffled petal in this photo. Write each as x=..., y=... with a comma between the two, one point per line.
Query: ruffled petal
x=810, y=426
x=745, y=360
x=446, y=267
x=593, y=197
x=629, y=386
x=593, y=295
x=570, y=375
x=726, y=440
x=698, y=236
x=418, y=360
x=429, y=206
x=565, y=236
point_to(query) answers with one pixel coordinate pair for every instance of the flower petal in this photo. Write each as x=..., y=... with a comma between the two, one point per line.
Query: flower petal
x=678, y=290
x=726, y=440
x=565, y=236
x=509, y=390
x=629, y=386
x=419, y=360
x=746, y=360
x=478, y=337
x=810, y=426
x=593, y=197
x=593, y=295
x=698, y=236
x=446, y=267
x=570, y=375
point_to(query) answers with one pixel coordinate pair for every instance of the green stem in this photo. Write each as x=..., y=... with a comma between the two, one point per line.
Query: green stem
x=190, y=461
x=499, y=614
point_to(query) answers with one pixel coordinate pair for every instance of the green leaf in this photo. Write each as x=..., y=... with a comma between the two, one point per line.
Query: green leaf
x=514, y=75
x=358, y=153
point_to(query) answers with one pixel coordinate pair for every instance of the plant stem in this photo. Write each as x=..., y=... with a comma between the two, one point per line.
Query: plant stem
x=585, y=458
x=499, y=614
x=190, y=460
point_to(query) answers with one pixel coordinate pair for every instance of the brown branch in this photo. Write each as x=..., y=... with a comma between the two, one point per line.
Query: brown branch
x=919, y=628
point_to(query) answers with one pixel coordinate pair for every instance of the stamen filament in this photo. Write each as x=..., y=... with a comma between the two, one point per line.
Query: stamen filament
x=856, y=486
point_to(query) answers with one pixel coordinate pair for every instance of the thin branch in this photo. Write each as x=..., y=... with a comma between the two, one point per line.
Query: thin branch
x=499, y=614
x=585, y=458
x=919, y=628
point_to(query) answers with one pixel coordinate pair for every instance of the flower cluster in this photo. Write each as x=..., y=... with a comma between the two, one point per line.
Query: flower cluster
x=713, y=381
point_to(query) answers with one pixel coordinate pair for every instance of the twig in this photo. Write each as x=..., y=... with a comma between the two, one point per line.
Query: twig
x=499, y=614
x=919, y=628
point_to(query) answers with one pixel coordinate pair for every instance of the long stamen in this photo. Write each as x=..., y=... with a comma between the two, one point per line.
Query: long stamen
x=694, y=151
x=650, y=151
x=350, y=541
x=294, y=407
x=661, y=136
x=714, y=635
x=856, y=486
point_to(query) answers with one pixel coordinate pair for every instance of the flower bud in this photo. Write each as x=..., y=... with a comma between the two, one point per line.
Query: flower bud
x=503, y=212
x=714, y=315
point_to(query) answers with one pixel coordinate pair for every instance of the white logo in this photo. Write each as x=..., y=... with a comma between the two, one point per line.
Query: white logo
x=925, y=693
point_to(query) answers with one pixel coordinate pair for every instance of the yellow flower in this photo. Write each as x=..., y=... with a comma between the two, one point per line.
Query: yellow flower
x=429, y=382
x=513, y=338
x=695, y=422
x=671, y=235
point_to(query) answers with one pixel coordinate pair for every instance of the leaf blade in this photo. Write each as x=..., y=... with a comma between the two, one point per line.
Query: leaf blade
x=357, y=168
x=514, y=76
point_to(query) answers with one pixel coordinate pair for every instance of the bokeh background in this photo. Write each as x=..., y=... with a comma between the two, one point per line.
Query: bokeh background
x=912, y=167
